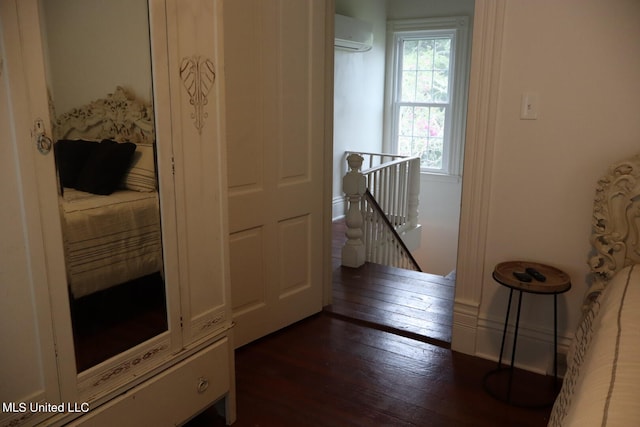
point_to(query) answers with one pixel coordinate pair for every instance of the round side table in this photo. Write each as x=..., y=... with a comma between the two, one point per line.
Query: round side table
x=553, y=282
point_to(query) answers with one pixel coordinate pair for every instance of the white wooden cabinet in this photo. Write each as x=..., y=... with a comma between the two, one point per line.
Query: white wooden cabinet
x=170, y=377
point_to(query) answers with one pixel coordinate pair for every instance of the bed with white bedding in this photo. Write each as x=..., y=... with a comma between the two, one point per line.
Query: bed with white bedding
x=108, y=195
x=111, y=239
x=602, y=383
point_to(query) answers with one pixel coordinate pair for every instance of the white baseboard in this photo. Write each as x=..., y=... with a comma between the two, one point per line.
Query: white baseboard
x=482, y=337
x=338, y=207
x=464, y=327
x=534, y=350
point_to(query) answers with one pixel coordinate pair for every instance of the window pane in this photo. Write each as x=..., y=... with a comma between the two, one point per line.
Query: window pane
x=440, y=91
x=432, y=156
x=425, y=54
x=436, y=122
x=421, y=122
x=441, y=55
x=409, y=67
x=404, y=146
x=405, y=122
x=409, y=54
x=408, y=89
x=424, y=86
x=419, y=145
x=421, y=132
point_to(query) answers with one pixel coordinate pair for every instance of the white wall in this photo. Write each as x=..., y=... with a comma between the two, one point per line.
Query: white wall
x=581, y=57
x=358, y=93
x=439, y=215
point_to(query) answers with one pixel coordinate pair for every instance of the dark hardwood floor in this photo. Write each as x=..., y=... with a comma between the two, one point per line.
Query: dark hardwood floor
x=412, y=304
x=408, y=303
x=379, y=356
x=325, y=371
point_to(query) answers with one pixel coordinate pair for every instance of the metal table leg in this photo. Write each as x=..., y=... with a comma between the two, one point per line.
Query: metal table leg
x=504, y=332
x=513, y=352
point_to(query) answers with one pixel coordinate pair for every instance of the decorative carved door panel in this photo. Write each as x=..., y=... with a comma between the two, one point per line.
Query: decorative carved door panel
x=194, y=32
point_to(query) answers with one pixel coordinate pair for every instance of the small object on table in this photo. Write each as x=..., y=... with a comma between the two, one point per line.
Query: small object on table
x=523, y=277
x=547, y=281
x=535, y=274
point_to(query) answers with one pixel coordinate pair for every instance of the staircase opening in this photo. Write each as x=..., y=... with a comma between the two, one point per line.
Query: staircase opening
x=376, y=279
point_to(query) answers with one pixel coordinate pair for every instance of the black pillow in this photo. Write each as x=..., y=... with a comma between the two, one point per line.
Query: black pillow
x=71, y=156
x=105, y=168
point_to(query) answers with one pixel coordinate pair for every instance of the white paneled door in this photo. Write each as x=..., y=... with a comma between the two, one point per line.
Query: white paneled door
x=275, y=65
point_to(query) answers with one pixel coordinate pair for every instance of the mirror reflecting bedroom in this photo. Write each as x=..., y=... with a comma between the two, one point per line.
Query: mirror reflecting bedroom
x=100, y=87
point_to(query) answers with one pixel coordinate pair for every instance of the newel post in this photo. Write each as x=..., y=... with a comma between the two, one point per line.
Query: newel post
x=354, y=185
x=414, y=192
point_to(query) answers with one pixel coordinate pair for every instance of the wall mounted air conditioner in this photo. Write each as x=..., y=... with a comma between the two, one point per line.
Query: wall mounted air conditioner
x=352, y=34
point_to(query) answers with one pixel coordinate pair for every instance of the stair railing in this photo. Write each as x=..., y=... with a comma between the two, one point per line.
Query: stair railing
x=394, y=185
x=383, y=244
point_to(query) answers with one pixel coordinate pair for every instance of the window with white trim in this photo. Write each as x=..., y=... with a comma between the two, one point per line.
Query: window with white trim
x=426, y=91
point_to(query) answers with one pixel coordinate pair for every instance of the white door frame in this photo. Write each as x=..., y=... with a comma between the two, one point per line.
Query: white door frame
x=484, y=82
x=488, y=23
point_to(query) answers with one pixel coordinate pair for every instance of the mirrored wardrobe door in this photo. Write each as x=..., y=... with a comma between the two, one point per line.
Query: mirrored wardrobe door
x=91, y=96
x=104, y=138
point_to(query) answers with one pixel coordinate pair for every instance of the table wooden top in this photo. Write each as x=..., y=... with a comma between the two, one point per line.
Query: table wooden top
x=557, y=280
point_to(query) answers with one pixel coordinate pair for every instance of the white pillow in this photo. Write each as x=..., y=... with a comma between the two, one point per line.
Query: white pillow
x=142, y=173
